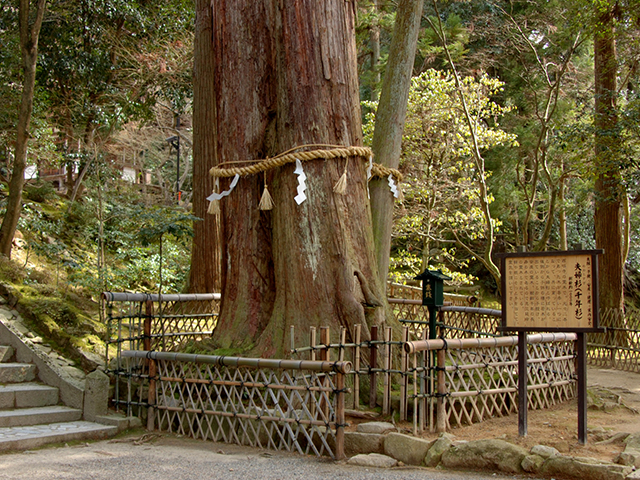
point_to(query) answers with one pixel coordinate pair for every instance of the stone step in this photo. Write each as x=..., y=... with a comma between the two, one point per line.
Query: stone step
x=24, y=395
x=23, y=438
x=38, y=415
x=6, y=352
x=17, y=372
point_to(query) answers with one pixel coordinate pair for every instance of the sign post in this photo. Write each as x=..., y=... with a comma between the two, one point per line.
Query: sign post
x=547, y=292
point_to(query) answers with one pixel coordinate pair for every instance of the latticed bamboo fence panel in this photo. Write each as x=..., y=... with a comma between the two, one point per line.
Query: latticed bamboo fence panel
x=619, y=345
x=477, y=379
x=468, y=322
x=277, y=404
x=138, y=321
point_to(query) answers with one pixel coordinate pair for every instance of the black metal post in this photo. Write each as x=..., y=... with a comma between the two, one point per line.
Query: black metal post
x=522, y=384
x=433, y=314
x=581, y=370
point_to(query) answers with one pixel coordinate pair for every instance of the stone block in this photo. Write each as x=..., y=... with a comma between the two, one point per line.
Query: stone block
x=434, y=455
x=406, y=449
x=6, y=352
x=356, y=443
x=96, y=395
x=376, y=427
x=532, y=463
x=584, y=468
x=375, y=460
x=17, y=372
x=544, y=451
x=486, y=455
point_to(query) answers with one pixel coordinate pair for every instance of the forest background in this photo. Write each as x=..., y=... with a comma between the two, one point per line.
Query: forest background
x=113, y=88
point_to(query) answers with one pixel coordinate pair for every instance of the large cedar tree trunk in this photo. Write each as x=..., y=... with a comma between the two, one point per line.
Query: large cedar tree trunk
x=204, y=276
x=286, y=76
x=609, y=187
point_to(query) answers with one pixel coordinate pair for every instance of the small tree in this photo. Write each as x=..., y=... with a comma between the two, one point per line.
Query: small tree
x=30, y=23
x=441, y=189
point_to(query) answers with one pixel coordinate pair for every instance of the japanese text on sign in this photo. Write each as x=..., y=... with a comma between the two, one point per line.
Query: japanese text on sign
x=550, y=291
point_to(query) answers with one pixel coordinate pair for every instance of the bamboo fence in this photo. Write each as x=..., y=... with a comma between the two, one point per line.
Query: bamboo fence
x=619, y=345
x=478, y=376
x=469, y=384
x=267, y=403
x=168, y=323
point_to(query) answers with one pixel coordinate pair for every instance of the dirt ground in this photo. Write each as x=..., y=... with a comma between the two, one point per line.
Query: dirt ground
x=614, y=399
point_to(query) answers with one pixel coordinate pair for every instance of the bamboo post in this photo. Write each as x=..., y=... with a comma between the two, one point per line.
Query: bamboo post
x=312, y=342
x=340, y=416
x=343, y=341
x=373, y=363
x=415, y=393
x=403, y=378
x=149, y=363
x=356, y=362
x=386, y=401
x=442, y=390
x=148, y=315
x=423, y=385
x=312, y=354
x=293, y=336
x=325, y=355
x=325, y=340
x=151, y=412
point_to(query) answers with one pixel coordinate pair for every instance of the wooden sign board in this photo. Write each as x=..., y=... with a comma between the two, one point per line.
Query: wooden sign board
x=550, y=291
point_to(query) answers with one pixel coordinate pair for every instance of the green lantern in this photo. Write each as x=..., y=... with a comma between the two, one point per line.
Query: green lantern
x=432, y=287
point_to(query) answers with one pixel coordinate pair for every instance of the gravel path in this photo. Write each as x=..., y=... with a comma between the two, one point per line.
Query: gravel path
x=186, y=459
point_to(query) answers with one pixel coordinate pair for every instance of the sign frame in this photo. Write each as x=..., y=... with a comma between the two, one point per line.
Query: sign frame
x=595, y=304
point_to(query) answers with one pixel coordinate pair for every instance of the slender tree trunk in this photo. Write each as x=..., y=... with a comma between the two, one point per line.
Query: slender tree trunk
x=562, y=213
x=389, y=126
x=286, y=76
x=29, y=34
x=204, y=276
x=609, y=187
x=374, y=40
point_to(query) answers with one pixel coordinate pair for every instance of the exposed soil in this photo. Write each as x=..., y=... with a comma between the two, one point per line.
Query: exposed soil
x=614, y=399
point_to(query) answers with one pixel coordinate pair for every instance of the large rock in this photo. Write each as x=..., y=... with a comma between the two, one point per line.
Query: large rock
x=404, y=448
x=631, y=454
x=376, y=427
x=434, y=455
x=373, y=460
x=544, y=451
x=532, y=463
x=584, y=468
x=355, y=443
x=486, y=454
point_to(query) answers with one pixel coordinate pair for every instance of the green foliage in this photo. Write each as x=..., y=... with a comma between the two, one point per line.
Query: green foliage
x=441, y=184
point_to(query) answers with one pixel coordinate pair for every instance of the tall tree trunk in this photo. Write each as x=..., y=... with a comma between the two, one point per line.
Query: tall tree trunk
x=374, y=40
x=609, y=187
x=389, y=126
x=286, y=76
x=29, y=34
x=204, y=276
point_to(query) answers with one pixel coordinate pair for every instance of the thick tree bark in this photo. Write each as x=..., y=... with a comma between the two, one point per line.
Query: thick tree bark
x=389, y=126
x=204, y=276
x=286, y=76
x=609, y=187
x=29, y=46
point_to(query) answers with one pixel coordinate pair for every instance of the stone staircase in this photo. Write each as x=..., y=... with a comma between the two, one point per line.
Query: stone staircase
x=31, y=414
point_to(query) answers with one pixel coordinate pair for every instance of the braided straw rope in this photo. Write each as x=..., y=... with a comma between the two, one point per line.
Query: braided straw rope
x=290, y=157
